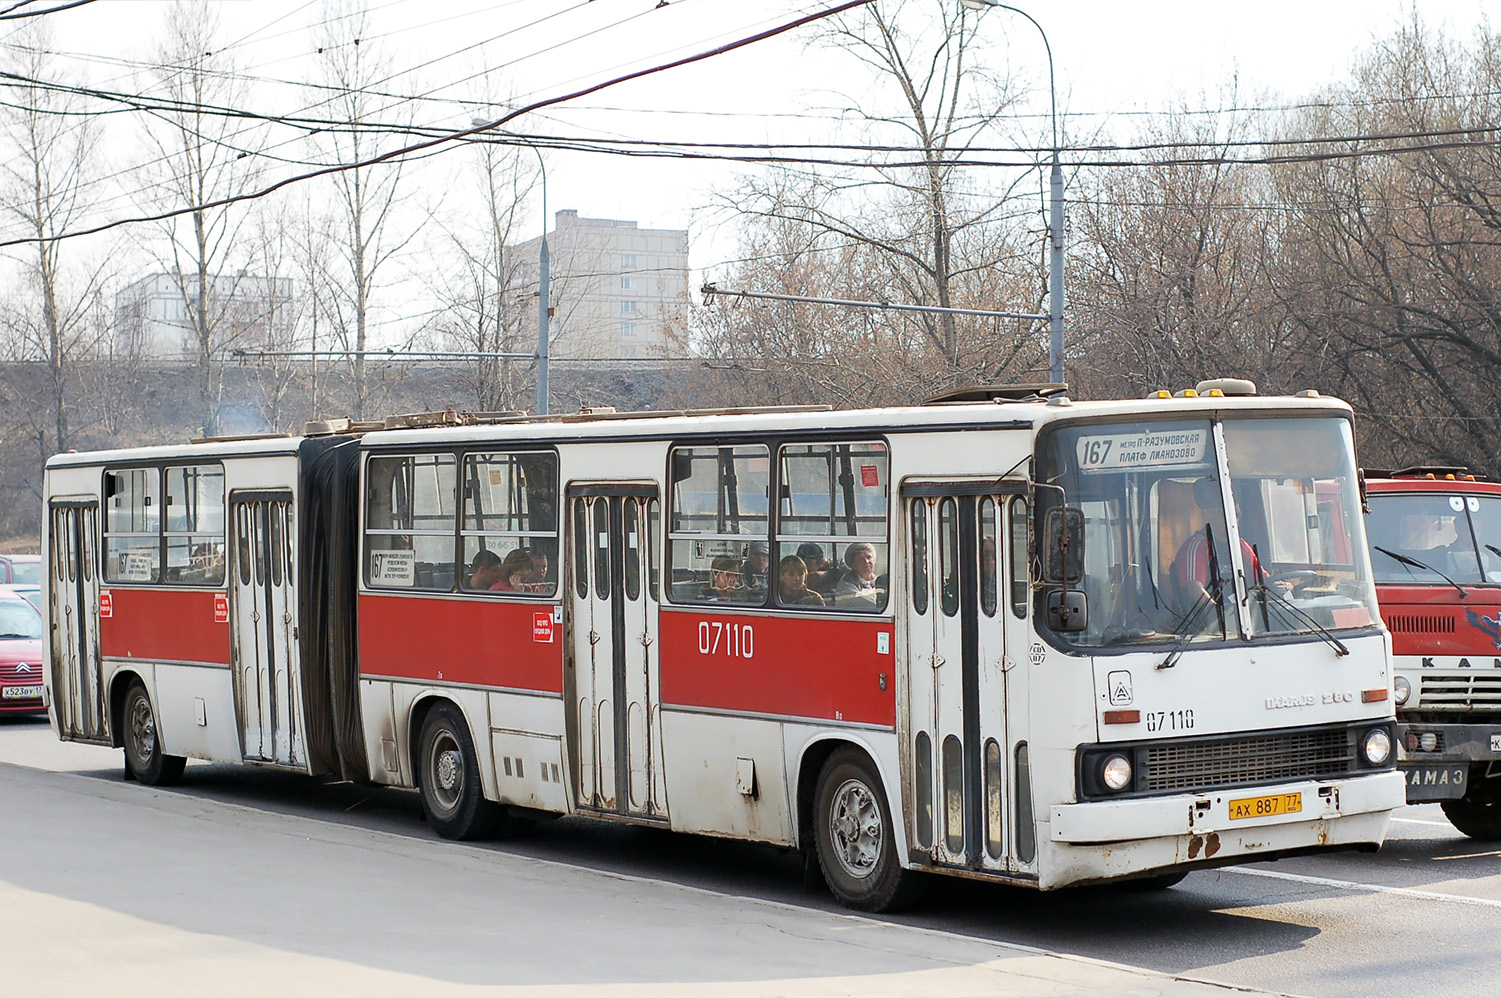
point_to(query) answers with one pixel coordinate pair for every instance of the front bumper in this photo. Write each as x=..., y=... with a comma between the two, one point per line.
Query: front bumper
x=1442, y=772
x=1202, y=813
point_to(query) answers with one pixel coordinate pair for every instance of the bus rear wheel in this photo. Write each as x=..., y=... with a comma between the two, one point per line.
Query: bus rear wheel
x=854, y=837
x=143, y=749
x=452, y=798
x=1478, y=812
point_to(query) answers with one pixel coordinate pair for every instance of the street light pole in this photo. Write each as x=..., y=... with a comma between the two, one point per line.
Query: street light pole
x=544, y=284
x=1055, y=207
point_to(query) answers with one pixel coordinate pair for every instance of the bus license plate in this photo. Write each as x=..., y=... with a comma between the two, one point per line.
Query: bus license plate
x=21, y=692
x=1263, y=807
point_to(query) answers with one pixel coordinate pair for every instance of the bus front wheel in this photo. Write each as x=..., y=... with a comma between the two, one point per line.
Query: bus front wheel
x=854, y=837
x=143, y=747
x=452, y=798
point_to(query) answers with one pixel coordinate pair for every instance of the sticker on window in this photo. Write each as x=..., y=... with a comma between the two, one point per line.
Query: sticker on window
x=870, y=476
x=1146, y=449
x=138, y=566
x=393, y=568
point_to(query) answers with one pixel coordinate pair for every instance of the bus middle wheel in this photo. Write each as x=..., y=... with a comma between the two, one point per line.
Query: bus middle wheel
x=452, y=798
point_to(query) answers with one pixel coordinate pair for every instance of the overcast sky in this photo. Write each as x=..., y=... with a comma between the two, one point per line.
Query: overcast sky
x=1111, y=57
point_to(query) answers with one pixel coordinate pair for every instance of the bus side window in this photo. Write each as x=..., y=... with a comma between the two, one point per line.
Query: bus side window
x=718, y=524
x=132, y=525
x=410, y=521
x=832, y=524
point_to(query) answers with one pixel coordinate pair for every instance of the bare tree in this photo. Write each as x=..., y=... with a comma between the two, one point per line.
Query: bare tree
x=1391, y=264
x=368, y=235
x=484, y=293
x=929, y=234
x=46, y=186
x=200, y=156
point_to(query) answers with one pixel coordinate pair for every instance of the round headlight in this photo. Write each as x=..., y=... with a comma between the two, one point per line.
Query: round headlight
x=1376, y=746
x=1116, y=773
x=1402, y=690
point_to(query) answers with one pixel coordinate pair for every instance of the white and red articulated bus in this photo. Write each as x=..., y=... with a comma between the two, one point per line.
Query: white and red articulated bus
x=1022, y=639
x=1435, y=537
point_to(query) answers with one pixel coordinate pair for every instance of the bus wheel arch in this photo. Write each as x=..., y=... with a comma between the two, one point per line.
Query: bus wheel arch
x=446, y=770
x=140, y=735
x=843, y=808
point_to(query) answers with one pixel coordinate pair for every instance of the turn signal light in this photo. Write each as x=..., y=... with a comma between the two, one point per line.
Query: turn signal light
x=1373, y=696
x=1122, y=717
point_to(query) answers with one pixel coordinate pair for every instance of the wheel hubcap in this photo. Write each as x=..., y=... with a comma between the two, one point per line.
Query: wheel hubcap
x=143, y=729
x=855, y=828
x=447, y=772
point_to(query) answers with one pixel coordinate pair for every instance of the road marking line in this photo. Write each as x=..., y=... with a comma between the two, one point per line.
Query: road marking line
x=1351, y=885
x=1423, y=821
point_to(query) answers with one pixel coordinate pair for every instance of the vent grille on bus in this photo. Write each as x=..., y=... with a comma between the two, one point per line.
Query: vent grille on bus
x=1420, y=623
x=1246, y=759
x=1475, y=691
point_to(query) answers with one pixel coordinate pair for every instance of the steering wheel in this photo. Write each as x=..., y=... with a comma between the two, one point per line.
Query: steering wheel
x=1299, y=579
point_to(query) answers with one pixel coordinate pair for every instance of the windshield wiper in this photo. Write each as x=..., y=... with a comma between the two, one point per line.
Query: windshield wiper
x=1286, y=605
x=1402, y=559
x=1188, y=626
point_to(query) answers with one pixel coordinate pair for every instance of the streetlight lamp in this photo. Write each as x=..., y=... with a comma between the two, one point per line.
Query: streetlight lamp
x=544, y=288
x=1055, y=207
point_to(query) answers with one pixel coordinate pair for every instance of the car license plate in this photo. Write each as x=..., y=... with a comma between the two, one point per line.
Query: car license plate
x=1264, y=807
x=21, y=692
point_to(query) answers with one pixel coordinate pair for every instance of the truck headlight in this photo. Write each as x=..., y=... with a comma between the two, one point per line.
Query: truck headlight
x=1116, y=772
x=1376, y=747
x=1402, y=689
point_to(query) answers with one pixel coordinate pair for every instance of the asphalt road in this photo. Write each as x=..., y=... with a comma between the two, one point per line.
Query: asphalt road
x=1421, y=917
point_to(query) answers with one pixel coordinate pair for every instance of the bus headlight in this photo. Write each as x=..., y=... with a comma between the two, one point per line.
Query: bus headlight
x=1402, y=690
x=1116, y=772
x=1376, y=747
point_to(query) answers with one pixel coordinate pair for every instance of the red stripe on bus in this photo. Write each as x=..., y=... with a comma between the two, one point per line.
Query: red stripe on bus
x=816, y=668
x=164, y=625
x=482, y=642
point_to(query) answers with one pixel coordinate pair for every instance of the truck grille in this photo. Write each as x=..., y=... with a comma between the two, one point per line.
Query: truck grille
x=1239, y=760
x=1472, y=691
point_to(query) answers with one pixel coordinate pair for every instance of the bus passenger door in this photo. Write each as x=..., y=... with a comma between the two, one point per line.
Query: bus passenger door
x=613, y=630
x=955, y=752
x=262, y=623
x=73, y=621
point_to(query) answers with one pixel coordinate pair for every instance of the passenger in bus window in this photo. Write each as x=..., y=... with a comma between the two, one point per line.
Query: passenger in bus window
x=792, y=575
x=860, y=581
x=514, y=571
x=820, y=575
x=485, y=571
x=538, y=581
x=724, y=581
x=757, y=565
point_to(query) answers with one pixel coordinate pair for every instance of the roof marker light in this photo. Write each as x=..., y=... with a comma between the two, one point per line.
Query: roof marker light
x=1215, y=393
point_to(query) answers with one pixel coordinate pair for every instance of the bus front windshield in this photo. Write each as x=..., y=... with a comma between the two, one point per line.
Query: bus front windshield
x=1168, y=560
x=1433, y=538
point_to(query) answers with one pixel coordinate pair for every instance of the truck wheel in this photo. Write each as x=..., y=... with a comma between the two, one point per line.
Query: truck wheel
x=452, y=798
x=143, y=750
x=854, y=837
x=1478, y=812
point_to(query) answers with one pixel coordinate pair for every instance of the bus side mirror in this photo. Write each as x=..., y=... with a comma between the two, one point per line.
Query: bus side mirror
x=1068, y=610
x=1063, y=546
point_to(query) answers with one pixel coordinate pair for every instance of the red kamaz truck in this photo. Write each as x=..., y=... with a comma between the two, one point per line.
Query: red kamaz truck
x=1435, y=536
